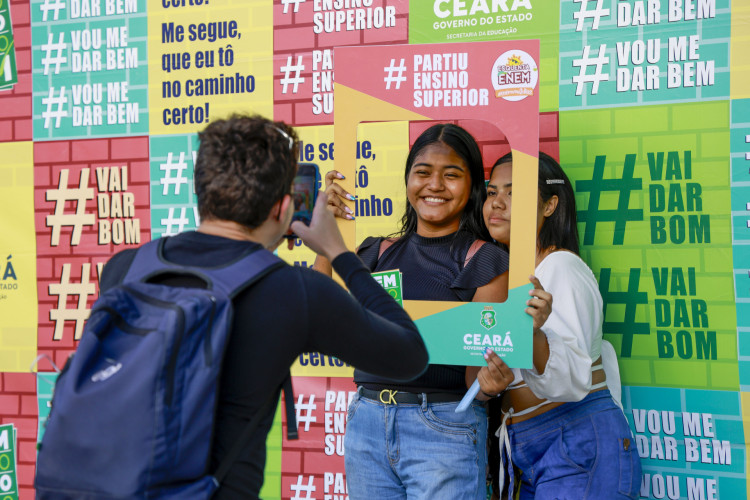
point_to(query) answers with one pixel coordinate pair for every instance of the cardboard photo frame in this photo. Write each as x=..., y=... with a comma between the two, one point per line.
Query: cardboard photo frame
x=496, y=82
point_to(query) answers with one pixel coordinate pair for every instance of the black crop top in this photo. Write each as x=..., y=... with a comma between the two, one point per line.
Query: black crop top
x=433, y=269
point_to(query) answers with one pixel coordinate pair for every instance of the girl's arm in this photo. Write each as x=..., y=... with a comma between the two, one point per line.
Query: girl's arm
x=539, y=308
x=573, y=333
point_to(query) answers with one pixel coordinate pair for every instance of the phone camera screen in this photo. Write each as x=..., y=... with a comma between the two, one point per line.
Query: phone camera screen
x=304, y=193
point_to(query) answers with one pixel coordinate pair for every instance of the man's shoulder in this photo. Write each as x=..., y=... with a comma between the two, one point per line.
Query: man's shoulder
x=287, y=273
x=116, y=268
x=289, y=284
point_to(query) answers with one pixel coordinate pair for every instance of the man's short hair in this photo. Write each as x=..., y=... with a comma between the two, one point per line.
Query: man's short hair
x=245, y=164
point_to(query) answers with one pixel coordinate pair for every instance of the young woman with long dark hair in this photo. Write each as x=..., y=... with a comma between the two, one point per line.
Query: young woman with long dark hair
x=405, y=440
x=559, y=424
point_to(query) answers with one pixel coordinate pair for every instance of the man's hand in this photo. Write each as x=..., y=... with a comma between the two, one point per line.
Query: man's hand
x=322, y=235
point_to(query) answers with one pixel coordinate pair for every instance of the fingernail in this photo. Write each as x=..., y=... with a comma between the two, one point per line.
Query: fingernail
x=350, y=197
x=348, y=210
x=340, y=175
x=488, y=350
x=486, y=356
x=350, y=217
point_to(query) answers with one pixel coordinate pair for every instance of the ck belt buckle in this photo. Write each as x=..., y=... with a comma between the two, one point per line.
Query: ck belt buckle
x=387, y=397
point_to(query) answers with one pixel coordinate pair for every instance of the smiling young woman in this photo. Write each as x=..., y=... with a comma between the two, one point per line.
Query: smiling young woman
x=405, y=440
x=438, y=187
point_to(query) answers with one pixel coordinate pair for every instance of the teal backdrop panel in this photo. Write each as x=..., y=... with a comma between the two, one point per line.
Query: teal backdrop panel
x=90, y=71
x=740, y=181
x=634, y=53
x=689, y=442
x=173, y=200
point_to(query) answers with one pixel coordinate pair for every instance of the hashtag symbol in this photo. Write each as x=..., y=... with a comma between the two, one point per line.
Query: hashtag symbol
x=297, y=79
x=287, y=3
x=586, y=61
x=308, y=488
x=309, y=407
x=59, y=58
x=56, y=5
x=631, y=298
x=584, y=13
x=619, y=216
x=171, y=221
x=178, y=168
x=401, y=68
x=51, y=113
x=83, y=290
x=61, y=196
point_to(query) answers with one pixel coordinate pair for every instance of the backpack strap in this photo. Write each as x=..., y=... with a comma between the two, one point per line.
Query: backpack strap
x=474, y=248
x=291, y=415
x=230, y=278
x=384, y=245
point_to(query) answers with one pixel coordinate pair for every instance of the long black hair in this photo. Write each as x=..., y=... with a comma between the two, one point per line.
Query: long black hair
x=462, y=142
x=559, y=230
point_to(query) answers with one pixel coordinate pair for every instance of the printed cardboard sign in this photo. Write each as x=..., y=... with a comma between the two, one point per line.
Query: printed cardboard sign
x=496, y=82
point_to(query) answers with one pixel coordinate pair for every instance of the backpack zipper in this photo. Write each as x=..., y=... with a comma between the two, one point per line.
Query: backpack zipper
x=172, y=365
x=120, y=322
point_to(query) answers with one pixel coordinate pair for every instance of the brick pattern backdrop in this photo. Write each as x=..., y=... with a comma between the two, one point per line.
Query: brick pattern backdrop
x=655, y=377
x=18, y=406
x=310, y=464
x=295, y=38
x=71, y=267
x=685, y=235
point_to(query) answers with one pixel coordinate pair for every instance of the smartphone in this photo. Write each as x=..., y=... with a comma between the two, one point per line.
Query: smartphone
x=304, y=193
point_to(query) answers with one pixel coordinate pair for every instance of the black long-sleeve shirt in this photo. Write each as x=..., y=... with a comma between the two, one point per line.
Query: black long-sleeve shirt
x=290, y=311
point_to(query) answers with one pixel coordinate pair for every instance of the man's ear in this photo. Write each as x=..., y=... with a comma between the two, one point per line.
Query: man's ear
x=550, y=205
x=283, y=206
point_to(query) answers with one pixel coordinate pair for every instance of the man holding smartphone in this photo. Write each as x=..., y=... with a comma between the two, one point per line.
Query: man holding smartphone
x=244, y=174
x=304, y=192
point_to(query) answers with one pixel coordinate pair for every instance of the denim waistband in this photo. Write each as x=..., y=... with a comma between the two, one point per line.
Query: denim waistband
x=388, y=396
x=601, y=400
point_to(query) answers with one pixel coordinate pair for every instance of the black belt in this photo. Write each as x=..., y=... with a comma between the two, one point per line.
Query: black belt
x=391, y=396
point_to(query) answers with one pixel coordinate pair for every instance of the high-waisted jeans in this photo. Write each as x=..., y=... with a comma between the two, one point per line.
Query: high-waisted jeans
x=577, y=451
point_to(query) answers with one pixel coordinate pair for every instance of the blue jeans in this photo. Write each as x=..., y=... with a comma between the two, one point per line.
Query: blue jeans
x=577, y=451
x=415, y=451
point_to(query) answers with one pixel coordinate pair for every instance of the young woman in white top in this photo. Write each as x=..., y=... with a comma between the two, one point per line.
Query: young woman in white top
x=560, y=428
